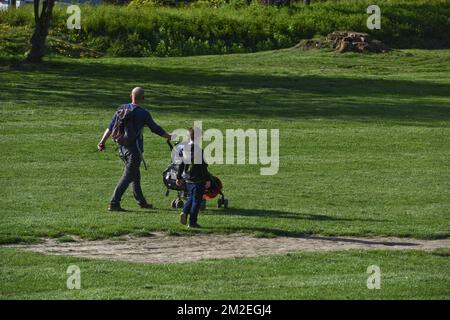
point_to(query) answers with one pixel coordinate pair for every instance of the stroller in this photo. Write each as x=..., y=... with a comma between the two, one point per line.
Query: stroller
x=170, y=177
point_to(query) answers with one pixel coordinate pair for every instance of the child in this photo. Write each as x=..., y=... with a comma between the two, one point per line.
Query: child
x=194, y=171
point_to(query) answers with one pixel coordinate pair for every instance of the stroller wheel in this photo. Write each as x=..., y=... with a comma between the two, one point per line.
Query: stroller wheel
x=174, y=204
x=219, y=202
x=179, y=203
x=225, y=203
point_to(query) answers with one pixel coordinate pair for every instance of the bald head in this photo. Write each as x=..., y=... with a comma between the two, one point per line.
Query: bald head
x=137, y=95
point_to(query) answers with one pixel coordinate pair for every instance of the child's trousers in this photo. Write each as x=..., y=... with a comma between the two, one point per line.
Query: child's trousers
x=192, y=205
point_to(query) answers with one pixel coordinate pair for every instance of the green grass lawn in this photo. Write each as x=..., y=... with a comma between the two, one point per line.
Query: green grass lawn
x=364, y=150
x=337, y=275
x=364, y=146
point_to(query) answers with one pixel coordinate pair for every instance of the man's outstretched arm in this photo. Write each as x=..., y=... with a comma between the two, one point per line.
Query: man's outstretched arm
x=157, y=129
x=101, y=144
x=168, y=136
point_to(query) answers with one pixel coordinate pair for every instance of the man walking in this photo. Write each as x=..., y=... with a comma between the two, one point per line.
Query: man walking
x=131, y=153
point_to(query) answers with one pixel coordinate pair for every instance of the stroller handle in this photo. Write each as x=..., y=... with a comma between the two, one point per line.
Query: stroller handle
x=170, y=144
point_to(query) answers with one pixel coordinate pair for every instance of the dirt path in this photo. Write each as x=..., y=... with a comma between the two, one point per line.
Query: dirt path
x=161, y=248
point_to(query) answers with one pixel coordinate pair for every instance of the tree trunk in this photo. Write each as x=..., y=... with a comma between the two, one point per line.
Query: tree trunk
x=37, y=45
x=12, y=4
x=307, y=2
x=42, y=23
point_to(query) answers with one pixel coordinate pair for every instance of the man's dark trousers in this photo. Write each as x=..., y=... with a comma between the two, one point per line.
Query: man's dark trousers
x=193, y=204
x=131, y=174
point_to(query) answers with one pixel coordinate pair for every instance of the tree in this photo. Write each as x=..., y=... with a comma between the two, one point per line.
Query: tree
x=12, y=4
x=42, y=23
x=307, y=2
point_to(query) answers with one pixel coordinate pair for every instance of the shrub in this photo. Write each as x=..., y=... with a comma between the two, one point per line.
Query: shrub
x=152, y=3
x=148, y=29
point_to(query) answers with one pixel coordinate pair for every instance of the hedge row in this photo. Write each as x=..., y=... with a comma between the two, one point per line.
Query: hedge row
x=139, y=30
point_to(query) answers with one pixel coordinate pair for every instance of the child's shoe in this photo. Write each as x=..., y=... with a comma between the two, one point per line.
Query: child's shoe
x=183, y=218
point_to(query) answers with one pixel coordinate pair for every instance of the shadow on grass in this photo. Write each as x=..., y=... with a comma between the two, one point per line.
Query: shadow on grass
x=203, y=93
x=262, y=232
x=288, y=215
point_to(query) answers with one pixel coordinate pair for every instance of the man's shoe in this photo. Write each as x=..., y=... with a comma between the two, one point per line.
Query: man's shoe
x=116, y=207
x=194, y=225
x=183, y=218
x=146, y=205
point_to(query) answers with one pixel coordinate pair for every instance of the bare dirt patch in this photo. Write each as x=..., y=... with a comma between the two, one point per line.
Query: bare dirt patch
x=162, y=248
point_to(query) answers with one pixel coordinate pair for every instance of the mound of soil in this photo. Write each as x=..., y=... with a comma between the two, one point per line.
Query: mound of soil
x=345, y=41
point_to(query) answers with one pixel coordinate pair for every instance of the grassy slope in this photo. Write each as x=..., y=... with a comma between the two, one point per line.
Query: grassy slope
x=161, y=31
x=338, y=275
x=364, y=142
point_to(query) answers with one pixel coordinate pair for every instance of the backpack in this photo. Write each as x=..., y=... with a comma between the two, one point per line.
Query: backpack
x=123, y=131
